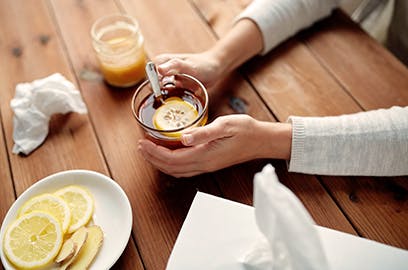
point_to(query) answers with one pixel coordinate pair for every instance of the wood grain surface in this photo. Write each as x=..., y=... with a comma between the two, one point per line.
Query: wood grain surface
x=331, y=68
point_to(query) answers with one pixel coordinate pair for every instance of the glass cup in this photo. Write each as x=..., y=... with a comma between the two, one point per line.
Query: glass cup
x=118, y=44
x=183, y=96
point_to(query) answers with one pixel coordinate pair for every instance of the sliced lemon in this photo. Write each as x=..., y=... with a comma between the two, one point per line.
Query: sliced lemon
x=174, y=113
x=51, y=204
x=81, y=204
x=33, y=240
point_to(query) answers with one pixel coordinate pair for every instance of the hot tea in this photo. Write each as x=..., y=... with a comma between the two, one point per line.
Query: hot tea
x=181, y=105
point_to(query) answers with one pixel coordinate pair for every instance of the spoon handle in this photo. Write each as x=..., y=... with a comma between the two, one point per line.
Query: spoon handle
x=153, y=78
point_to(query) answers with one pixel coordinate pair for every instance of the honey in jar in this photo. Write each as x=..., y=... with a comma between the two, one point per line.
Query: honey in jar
x=119, y=47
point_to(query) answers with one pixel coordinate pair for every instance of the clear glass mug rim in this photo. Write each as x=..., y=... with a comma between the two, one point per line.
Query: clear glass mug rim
x=111, y=16
x=199, y=117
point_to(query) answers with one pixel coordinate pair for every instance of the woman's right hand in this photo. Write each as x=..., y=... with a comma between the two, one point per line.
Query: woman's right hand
x=203, y=66
x=224, y=56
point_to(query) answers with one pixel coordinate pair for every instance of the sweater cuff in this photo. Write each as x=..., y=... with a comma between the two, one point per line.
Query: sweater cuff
x=296, y=162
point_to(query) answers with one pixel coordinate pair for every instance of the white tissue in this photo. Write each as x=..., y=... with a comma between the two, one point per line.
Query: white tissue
x=33, y=105
x=290, y=241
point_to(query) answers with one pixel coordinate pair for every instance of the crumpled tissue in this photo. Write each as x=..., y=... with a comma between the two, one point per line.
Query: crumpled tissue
x=290, y=241
x=33, y=105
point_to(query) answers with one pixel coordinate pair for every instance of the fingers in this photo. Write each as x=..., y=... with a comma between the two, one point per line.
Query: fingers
x=212, y=147
x=162, y=58
x=205, y=134
x=171, y=64
x=174, y=66
x=178, y=163
x=173, y=171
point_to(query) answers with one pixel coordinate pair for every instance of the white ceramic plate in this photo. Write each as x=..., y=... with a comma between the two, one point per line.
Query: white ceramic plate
x=112, y=213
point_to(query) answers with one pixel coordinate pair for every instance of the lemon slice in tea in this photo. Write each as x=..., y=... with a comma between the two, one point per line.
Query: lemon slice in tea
x=33, y=240
x=174, y=113
x=51, y=204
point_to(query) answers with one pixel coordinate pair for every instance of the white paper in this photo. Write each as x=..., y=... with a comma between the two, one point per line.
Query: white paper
x=33, y=105
x=216, y=232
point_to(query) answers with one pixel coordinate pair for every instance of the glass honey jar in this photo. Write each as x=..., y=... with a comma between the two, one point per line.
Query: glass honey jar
x=118, y=44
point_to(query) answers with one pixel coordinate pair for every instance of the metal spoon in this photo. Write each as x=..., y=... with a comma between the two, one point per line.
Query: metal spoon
x=151, y=72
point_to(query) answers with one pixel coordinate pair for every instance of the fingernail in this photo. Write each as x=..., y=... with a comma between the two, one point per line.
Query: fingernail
x=187, y=139
x=164, y=66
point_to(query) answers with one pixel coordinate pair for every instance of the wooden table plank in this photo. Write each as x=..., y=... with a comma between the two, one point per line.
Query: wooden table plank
x=6, y=182
x=32, y=49
x=289, y=75
x=307, y=188
x=301, y=62
x=379, y=80
x=377, y=207
x=160, y=203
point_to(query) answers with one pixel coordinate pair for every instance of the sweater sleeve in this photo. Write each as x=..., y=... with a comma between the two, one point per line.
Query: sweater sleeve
x=368, y=143
x=280, y=19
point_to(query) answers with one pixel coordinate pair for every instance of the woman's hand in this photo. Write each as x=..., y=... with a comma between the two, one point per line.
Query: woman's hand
x=225, y=56
x=203, y=66
x=227, y=141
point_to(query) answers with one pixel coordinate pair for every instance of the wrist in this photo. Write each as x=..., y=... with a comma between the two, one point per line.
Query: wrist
x=233, y=49
x=220, y=59
x=275, y=140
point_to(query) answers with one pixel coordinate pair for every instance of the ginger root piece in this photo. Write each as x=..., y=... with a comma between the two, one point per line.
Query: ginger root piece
x=79, y=238
x=89, y=250
x=67, y=251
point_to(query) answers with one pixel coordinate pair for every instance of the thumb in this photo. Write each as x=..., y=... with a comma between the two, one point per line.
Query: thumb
x=205, y=134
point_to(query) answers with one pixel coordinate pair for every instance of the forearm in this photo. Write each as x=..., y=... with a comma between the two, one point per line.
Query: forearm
x=262, y=26
x=241, y=43
x=369, y=143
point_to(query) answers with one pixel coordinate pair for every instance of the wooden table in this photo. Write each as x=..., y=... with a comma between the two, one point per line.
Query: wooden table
x=330, y=69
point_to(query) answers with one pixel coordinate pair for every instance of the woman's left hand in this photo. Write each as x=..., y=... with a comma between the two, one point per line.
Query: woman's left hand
x=227, y=141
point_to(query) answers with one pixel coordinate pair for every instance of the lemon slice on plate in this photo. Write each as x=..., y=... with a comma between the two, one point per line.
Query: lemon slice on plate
x=51, y=204
x=81, y=204
x=174, y=113
x=33, y=240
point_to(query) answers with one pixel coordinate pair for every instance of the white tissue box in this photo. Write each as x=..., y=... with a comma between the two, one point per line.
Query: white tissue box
x=218, y=232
